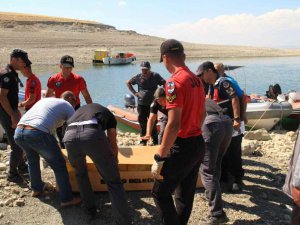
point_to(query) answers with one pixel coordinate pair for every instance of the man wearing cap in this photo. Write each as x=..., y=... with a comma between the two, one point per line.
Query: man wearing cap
x=66, y=80
x=180, y=154
x=33, y=88
x=229, y=96
x=9, y=114
x=147, y=83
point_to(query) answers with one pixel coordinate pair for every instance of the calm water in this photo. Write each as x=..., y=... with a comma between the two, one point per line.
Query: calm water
x=107, y=83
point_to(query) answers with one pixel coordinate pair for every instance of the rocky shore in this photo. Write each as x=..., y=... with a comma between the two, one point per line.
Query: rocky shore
x=266, y=158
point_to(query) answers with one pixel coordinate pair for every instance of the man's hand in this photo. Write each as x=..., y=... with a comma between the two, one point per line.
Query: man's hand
x=296, y=195
x=14, y=120
x=236, y=124
x=146, y=138
x=156, y=168
x=136, y=94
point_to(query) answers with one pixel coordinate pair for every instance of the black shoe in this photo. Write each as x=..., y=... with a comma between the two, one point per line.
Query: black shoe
x=143, y=143
x=216, y=220
x=237, y=187
x=15, y=178
x=23, y=169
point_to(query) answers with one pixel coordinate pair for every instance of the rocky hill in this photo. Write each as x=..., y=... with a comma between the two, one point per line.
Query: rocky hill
x=48, y=38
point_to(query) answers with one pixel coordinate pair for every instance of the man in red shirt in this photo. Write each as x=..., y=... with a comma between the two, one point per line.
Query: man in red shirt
x=66, y=80
x=33, y=88
x=181, y=152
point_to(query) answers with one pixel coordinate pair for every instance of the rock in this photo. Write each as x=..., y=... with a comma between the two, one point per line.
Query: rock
x=290, y=136
x=2, y=167
x=15, y=191
x=3, y=146
x=249, y=146
x=1, y=215
x=7, y=163
x=259, y=135
x=9, y=201
x=133, y=135
x=26, y=189
x=19, y=202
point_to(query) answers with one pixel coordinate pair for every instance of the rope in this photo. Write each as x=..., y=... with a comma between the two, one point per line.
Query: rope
x=261, y=117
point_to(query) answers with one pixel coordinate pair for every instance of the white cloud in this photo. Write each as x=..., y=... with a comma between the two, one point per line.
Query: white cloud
x=122, y=3
x=279, y=28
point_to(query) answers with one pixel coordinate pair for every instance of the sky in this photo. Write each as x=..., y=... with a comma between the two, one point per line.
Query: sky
x=261, y=23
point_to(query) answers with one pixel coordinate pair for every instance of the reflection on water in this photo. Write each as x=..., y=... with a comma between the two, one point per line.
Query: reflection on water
x=107, y=83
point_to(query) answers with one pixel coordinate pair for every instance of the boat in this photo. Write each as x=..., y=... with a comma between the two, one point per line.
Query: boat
x=119, y=59
x=267, y=114
x=260, y=115
x=99, y=55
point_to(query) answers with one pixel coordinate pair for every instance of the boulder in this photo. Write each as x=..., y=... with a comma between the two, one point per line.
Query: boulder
x=259, y=135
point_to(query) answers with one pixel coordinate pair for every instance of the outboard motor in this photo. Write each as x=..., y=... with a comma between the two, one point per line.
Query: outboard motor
x=273, y=91
x=129, y=101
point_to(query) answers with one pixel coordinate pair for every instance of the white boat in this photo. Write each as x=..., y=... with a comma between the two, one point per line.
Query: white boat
x=267, y=114
x=120, y=59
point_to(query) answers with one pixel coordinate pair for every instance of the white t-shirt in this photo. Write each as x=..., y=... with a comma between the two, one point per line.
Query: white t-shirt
x=48, y=114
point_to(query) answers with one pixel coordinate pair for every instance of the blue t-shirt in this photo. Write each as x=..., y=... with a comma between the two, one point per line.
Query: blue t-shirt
x=48, y=114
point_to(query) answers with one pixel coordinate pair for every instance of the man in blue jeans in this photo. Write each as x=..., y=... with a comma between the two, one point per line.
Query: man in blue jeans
x=34, y=134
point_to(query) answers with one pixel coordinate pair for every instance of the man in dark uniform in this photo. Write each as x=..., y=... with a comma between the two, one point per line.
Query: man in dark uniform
x=9, y=114
x=180, y=154
x=158, y=105
x=85, y=135
x=147, y=83
x=229, y=96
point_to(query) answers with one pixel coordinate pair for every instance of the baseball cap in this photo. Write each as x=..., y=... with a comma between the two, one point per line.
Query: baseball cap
x=145, y=65
x=67, y=61
x=19, y=53
x=170, y=46
x=205, y=66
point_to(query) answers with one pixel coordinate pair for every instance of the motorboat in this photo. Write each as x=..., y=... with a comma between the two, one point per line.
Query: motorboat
x=119, y=59
x=267, y=114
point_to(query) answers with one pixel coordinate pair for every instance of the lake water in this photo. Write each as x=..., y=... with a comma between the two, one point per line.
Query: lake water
x=106, y=84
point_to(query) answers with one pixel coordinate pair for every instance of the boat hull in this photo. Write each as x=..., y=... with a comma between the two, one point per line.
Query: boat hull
x=118, y=61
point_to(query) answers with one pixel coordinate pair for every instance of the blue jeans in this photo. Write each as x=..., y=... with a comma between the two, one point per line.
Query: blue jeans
x=37, y=143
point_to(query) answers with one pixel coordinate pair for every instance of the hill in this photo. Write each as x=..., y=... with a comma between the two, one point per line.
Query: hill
x=46, y=39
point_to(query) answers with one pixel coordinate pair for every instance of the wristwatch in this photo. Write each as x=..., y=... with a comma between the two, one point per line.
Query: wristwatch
x=238, y=119
x=158, y=158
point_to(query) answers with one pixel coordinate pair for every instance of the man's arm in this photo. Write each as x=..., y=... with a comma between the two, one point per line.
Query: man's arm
x=29, y=101
x=129, y=85
x=112, y=137
x=244, y=109
x=49, y=93
x=171, y=130
x=150, y=124
x=6, y=106
x=236, y=112
x=87, y=96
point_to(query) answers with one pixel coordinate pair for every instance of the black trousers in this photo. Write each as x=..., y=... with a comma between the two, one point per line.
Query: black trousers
x=93, y=142
x=295, y=220
x=217, y=136
x=16, y=156
x=144, y=112
x=180, y=173
x=232, y=160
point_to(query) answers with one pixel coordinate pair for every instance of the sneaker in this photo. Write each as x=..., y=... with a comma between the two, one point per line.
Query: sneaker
x=74, y=201
x=23, y=169
x=15, y=178
x=216, y=220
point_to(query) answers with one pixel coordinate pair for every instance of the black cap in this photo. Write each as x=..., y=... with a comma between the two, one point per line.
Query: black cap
x=67, y=61
x=18, y=53
x=205, y=66
x=145, y=65
x=170, y=46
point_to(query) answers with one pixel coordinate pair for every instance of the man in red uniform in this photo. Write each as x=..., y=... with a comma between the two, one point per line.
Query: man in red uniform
x=33, y=88
x=66, y=80
x=180, y=154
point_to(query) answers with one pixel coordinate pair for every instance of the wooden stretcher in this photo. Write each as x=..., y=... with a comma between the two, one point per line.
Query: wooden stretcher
x=135, y=169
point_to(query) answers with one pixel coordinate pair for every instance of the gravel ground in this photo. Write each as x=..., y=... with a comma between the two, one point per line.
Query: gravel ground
x=261, y=202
